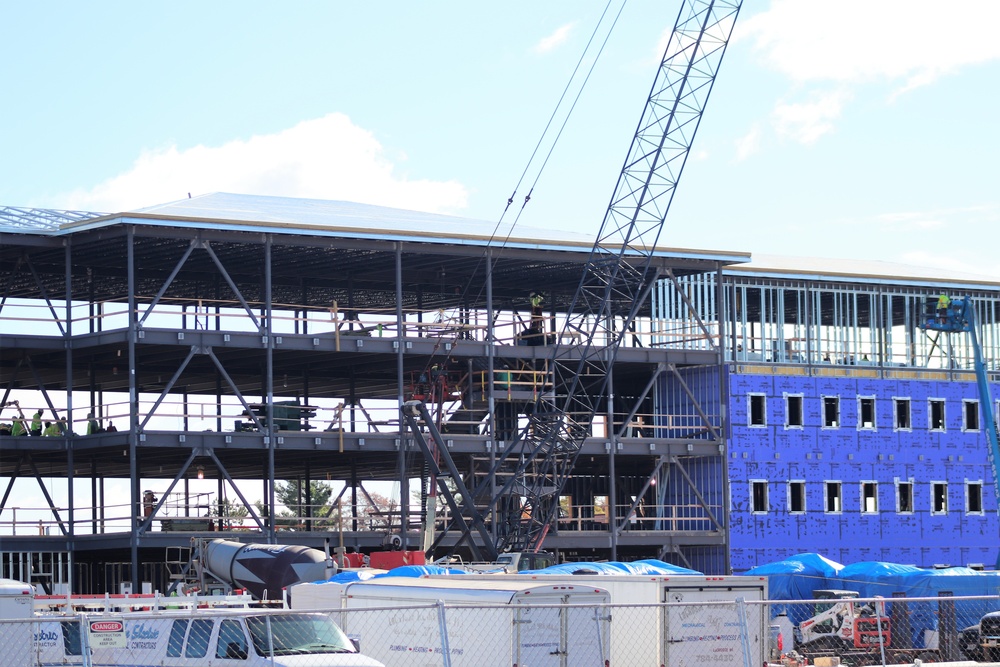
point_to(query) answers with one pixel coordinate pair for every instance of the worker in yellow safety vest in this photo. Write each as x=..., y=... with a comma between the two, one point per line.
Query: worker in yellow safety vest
x=36, y=423
x=17, y=428
x=93, y=426
x=942, y=308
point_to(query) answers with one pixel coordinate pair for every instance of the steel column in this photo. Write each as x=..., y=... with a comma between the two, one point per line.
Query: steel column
x=133, y=395
x=271, y=430
x=404, y=482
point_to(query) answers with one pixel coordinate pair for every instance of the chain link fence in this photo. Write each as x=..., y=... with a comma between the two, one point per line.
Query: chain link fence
x=740, y=633
x=884, y=631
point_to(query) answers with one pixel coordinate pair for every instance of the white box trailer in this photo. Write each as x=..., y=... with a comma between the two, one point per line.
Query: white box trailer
x=17, y=601
x=502, y=623
x=679, y=635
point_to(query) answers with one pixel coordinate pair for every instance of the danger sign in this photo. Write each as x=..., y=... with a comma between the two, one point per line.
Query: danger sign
x=107, y=633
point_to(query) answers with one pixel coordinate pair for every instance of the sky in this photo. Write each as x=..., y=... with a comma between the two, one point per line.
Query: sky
x=860, y=129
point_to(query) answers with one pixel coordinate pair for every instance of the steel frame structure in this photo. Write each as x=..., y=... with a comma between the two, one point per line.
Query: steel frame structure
x=118, y=312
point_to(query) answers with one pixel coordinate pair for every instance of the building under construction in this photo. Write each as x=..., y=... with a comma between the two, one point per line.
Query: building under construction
x=243, y=344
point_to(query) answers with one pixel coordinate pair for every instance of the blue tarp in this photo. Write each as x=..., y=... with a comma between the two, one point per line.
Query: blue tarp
x=649, y=566
x=874, y=578
x=797, y=577
x=351, y=576
x=419, y=571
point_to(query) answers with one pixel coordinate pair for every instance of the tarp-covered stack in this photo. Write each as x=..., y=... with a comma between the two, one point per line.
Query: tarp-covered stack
x=796, y=578
x=649, y=566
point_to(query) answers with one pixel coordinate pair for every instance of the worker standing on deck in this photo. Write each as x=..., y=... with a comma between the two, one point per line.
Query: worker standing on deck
x=36, y=423
x=943, y=303
x=537, y=327
x=93, y=426
x=18, y=428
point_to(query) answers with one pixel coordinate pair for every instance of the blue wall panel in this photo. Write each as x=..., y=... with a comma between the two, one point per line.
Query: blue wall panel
x=853, y=456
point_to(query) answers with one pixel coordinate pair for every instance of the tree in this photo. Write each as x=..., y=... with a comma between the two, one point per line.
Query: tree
x=292, y=495
x=230, y=513
x=381, y=512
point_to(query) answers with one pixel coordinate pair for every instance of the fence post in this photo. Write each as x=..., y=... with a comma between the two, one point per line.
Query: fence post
x=88, y=660
x=947, y=626
x=741, y=613
x=605, y=654
x=881, y=637
x=899, y=622
x=443, y=629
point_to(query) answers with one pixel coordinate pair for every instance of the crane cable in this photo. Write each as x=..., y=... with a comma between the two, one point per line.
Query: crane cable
x=510, y=200
x=527, y=198
x=545, y=132
x=555, y=111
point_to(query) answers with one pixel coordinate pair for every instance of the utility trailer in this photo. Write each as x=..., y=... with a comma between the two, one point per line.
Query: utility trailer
x=502, y=623
x=683, y=634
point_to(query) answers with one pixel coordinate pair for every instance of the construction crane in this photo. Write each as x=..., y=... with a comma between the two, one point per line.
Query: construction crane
x=958, y=315
x=615, y=283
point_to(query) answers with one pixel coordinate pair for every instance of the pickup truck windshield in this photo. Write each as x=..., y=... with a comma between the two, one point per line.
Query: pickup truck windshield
x=298, y=634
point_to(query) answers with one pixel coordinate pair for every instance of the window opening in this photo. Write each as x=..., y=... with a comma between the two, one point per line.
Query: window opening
x=566, y=507
x=793, y=411
x=176, y=639
x=869, y=497
x=904, y=497
x=936, y=414
x=970, y=411
x=939, y=497
x=974, y=497
x=866, y=412
x=758, y=410
x=797, y=497
x=600, y=509
x=200, y=633
x=758, y=496
x=832, y=490
x=831, y=411
x=902, y=406
x=232, y=642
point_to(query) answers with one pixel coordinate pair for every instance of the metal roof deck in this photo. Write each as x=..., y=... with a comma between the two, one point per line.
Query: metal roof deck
x=859, y=271
x=340, y=219
x=35, y=220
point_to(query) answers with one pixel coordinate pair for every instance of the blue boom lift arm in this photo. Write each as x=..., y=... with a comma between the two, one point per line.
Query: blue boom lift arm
x=959, y=317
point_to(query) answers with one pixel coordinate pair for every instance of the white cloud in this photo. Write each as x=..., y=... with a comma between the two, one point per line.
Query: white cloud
x=899, y=45
x=806, y=122
x=323, y=158
x=748, y=144
x=554, y=40
x=925, y=220
x=904, y=42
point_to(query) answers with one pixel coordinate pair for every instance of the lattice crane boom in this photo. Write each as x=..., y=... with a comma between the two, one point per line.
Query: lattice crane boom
x=618, y=269
x=615, y=282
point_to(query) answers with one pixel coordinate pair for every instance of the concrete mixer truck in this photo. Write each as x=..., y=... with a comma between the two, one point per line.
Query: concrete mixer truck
x=264, y=570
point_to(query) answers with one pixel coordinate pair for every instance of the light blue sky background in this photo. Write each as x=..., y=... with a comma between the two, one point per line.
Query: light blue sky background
x=861, y=129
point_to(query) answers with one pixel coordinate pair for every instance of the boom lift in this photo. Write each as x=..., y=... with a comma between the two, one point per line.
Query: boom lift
x=960, y=316
x=526, y=478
